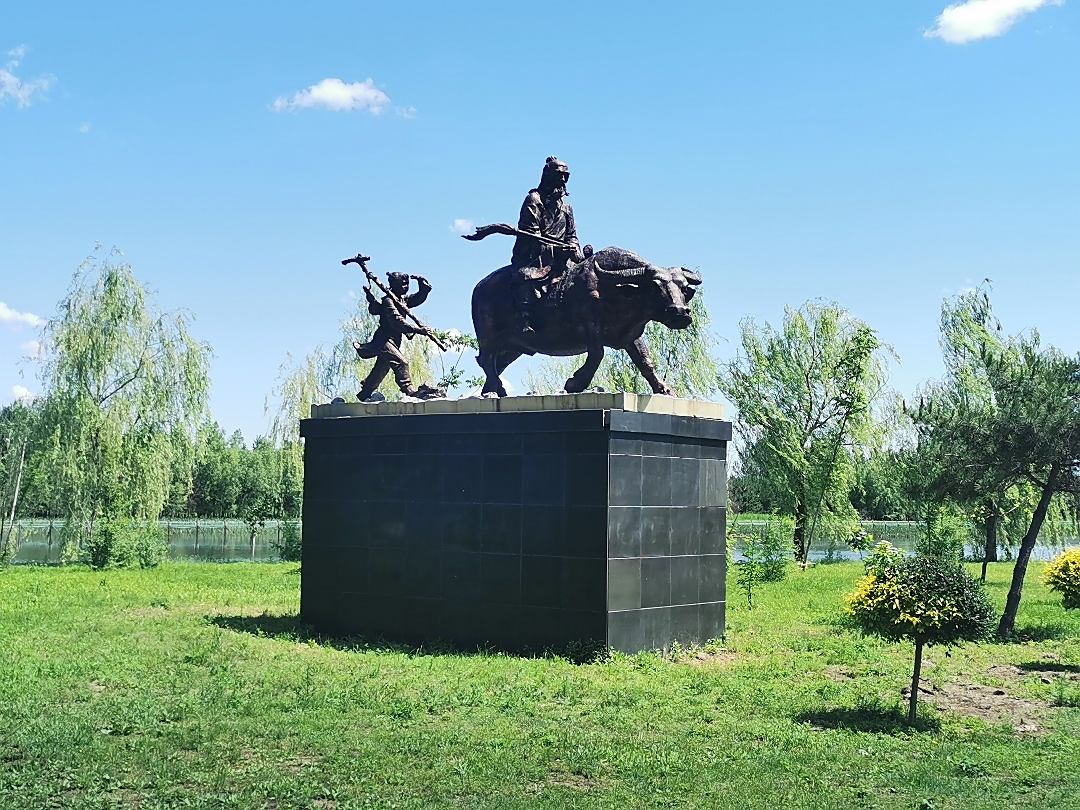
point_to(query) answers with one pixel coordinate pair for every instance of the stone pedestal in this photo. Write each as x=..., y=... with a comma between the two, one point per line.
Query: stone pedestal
x=525, y=523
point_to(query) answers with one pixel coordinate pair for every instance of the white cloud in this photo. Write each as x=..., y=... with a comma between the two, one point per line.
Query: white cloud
x=462, y=226
x=84, y=127
x=13, y=317
x=21, y=393
x=31, y=349
x=334, y=94
x=406, y=112
x=982, y=19
x=11, y=86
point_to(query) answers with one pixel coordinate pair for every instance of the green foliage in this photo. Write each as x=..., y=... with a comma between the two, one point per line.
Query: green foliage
x=881, y=488
x=1007, y=415
x=254, y=483
x=883, y=560
x=120, y=542
x=151, y=548
x=1063, y=576
x=929, y=600
x=804, y=395
x=18, y=428
x=765, y=551
x=946, y=530
x=288, y=546
x=860, y=540
x=449, y=367
x=121, y=378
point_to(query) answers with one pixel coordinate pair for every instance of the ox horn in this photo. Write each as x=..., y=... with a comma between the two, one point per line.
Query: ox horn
x=628, y=272
x=692, y=277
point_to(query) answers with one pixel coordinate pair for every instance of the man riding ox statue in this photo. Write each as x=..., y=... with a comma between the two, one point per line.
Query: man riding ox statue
x=556, y=299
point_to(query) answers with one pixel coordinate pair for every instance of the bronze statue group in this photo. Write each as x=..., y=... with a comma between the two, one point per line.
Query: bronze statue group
x=554, y=298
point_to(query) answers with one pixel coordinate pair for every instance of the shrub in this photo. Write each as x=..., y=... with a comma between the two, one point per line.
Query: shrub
x=288, y=546
x=120, y=542
x=883, y=559
x=946, y=531
x=927, y=600
x=1063, y=576
x=765, y=555
x=151, y=547
x=110, y=544
x=860, y=540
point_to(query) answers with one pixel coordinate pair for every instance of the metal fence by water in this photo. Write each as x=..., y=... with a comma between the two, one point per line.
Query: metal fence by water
x=905, y=535
x=39, y=541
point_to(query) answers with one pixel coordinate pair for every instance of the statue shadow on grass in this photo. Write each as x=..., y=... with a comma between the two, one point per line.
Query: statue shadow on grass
x=1044, y=631
x=872, y=719
x=290, y=627
x=1049, y=666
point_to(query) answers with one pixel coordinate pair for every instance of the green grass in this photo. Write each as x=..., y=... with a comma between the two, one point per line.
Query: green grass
x=194, y=686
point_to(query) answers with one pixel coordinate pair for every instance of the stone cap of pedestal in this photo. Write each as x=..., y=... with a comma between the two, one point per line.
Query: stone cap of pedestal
x=633, y=403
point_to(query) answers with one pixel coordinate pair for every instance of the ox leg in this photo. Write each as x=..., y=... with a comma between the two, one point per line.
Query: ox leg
x=488, y=363
x=583, y=376
x=639, y=354
x=505, y=359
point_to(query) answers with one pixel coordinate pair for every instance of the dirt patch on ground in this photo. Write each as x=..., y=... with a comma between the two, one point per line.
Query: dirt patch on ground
x=297, y=764
x=1045, y=671
x=717, y=658
x=988, y=703
x=838, y=673
x=566, y=779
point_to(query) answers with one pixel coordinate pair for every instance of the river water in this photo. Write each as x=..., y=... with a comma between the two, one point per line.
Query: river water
x=38, y=541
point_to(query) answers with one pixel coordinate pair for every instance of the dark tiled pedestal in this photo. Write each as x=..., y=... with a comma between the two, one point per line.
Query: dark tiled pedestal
x=522, y=530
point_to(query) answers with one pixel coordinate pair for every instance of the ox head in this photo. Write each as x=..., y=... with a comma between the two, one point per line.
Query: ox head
x=667, y=290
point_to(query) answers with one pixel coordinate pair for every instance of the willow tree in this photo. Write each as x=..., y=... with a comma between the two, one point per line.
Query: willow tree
x=804, y=394
x=121, y=376
x=683, y=359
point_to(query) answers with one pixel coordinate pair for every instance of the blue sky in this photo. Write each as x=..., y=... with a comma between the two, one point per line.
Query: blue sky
x=880, y=155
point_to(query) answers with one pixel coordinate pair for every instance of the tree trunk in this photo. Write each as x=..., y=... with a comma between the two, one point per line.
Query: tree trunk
x=1012, y=602
x=14, y=502
x=913, y=699
x=801, y=552
x=990, y=548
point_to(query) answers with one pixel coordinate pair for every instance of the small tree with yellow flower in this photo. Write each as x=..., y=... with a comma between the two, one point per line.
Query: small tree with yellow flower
x=926, y=600
x=1063, y=576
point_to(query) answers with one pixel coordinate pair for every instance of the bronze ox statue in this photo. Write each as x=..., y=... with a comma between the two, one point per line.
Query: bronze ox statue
x=605, y=300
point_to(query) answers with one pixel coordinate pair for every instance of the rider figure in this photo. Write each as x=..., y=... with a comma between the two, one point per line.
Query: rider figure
x=385, y=345
x=545, y=212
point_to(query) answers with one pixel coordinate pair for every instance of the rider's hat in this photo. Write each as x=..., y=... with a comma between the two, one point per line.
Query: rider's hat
x=552, y=166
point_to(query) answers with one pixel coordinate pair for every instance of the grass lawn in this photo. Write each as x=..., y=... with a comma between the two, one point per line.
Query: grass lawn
x=193, y=685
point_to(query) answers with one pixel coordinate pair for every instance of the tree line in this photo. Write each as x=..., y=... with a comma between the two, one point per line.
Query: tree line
x=120, y=435
x=218, y=476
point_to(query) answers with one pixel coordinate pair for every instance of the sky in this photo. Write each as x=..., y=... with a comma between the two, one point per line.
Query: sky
x=880, y=155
